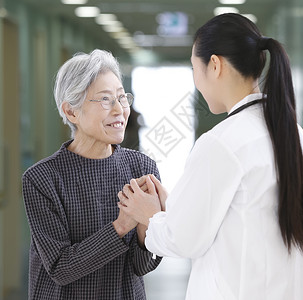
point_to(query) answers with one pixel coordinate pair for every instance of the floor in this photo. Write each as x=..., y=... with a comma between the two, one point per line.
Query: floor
x=168, y=281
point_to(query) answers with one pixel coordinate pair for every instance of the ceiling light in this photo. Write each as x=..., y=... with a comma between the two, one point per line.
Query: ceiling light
x=129, y=42
x=120, y=34
x=233, y=2
x=113, y=27
x=158, y=41
x=126, y=46
x=113, y=24
x=76, y=2
x=224, y=10
x=251, y=17
x=87, y=11
x=126, y=41
x=105, y=19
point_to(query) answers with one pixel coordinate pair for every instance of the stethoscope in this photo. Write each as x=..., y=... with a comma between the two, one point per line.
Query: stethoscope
x=244, y=106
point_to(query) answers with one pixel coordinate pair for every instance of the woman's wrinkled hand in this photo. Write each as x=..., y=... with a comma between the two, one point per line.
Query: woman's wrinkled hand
x=142, y=183
x=161, y=191
x=124, y=224
x=138, y=204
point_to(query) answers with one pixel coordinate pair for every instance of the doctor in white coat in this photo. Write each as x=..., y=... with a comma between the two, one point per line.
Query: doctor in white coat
x=237, y=211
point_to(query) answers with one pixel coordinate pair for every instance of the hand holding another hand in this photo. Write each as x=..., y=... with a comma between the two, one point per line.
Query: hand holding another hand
x=161, y=191
x=124, y=224
x=138, y=204
x=142, y=182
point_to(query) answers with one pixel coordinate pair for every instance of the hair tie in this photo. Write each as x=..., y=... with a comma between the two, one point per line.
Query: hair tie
x=262, y=43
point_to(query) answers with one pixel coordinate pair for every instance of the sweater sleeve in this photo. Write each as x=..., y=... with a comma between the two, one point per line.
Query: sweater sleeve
x=143, y=260
x=64, y=261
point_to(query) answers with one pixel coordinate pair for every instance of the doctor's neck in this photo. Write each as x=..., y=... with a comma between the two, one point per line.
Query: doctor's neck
x=237, y=88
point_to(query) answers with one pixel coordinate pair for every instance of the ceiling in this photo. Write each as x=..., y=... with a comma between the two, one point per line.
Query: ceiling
x=139, y=18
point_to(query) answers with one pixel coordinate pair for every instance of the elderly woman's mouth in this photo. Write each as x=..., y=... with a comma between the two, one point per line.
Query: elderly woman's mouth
x=116, y=124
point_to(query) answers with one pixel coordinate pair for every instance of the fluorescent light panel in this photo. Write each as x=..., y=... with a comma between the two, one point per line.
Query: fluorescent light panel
x=113, y=28
x=114, y=24
x=232, y=2
x=126, y=41
x=105, y=19
x=87, y=11
x=126, y=46
x=223, y=10
x=119, y=35
x=251, y=17
x=116, y=30
x=75, y=2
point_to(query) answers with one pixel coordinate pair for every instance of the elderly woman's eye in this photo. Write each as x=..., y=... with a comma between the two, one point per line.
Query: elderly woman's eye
x=105, y=98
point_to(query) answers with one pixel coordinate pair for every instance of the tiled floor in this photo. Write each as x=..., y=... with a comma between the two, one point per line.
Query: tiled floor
x=169, y=280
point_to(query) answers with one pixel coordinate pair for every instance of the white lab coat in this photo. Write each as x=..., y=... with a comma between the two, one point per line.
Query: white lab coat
x=223, y=215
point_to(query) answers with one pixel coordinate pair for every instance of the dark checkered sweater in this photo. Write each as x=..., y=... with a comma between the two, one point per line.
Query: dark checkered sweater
x=75, y=252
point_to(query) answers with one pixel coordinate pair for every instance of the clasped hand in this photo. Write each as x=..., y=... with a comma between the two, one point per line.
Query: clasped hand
x=142, y=198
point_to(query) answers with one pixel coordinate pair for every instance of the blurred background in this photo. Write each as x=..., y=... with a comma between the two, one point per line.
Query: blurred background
x=152, y=40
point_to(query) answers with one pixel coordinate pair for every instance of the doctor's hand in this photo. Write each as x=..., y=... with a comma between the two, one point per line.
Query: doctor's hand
x=137, y=204
x=142, y=183
x=161, y=191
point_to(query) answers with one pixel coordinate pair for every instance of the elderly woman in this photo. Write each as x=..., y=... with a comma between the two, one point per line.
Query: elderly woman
x=82, y=246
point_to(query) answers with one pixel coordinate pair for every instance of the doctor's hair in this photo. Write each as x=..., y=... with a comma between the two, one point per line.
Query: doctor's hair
x=238, y=40
x=77, y=74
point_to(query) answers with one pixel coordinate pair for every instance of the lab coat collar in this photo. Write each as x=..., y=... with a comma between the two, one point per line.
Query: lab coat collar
x=246, y=100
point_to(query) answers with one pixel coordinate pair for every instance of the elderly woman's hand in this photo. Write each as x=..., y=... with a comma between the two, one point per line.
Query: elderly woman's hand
x=142, y=182
x=137, y=204
x=124, y=224
x=162, y=193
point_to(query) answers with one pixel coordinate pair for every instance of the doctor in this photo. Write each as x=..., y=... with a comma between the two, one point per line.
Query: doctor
x=237, y=211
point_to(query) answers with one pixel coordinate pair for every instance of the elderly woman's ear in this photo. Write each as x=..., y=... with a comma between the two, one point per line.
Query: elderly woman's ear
x=69, y=112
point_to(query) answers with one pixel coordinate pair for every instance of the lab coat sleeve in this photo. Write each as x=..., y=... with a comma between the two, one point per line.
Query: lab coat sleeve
x=300, y=130
x=199, y=202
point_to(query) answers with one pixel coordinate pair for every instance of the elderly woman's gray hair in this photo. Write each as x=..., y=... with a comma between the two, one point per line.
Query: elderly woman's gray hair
x=77, y=74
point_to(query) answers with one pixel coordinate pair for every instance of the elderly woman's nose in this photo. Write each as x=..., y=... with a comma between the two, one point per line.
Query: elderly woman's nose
x=117, y=107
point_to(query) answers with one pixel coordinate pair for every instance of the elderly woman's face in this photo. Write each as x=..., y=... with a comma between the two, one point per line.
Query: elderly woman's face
x=96, y=123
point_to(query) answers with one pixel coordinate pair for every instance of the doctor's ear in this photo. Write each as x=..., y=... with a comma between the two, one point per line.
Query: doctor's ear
x=69, y=112
x=215, y=64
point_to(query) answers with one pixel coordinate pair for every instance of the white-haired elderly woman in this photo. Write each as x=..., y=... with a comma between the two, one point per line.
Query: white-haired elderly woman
x=82, y=246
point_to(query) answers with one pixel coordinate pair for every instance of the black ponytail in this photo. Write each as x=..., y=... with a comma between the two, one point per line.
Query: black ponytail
x=241, y=43
x=280, y=116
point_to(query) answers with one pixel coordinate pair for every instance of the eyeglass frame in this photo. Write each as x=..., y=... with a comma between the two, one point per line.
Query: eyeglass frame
x=114, y=99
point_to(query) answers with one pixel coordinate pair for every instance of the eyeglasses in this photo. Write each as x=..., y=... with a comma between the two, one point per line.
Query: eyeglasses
x=109, y=102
